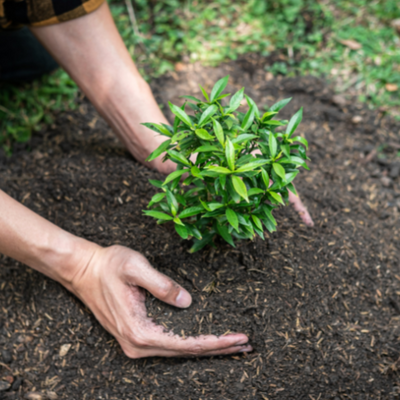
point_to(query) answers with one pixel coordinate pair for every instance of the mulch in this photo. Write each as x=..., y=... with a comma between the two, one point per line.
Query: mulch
x=321, y=305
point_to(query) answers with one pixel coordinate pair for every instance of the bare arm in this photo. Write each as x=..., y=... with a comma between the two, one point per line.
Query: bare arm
x=91, y=50
x=34, y=241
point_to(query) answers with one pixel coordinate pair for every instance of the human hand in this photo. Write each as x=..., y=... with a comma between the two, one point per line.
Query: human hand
x=298, y=205
x=111, y=286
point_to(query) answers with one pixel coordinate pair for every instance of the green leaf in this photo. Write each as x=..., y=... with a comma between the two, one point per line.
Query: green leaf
x=291, y=187
x=180, y=114
x=230, y=154
x=156, y=198
x=273, y=145
x=206, y=149
x=276, y=197
x=179, y=136
x=235, y=101
x=160, y=149
x=265, y=177
x=188, y=180
x=221, y=170
x=172, y=202
x=274, y=122
x=254, y=191
x=251, y=166
x=222, y=181
x=268, y=114
x=240, y=187
x=251, y=103
x=279, y=170
x=222, y=97
x=204, y=93
x=257, y=222
x=193, y=231
x=195, y=99
x=248, y=119
x=191, y=211
x=215, y=206
x=280, y=104
x=219, y=132
x=290, y=176
x=294, y=122
x=205, y=205
x=301, y=140
x=157, y=184
x=268, y=214
x=232, y=218
x=224, y=232
x=245, y=137
x=182, y=231
x=203, y=134
x=199, y=244
x=179, y=157
x=269, y=225
x=285, y=149
x=158, y=215
x=195, y=172
x=178, y=221
x=157, y=128
x=218, y=88
x=174, y=175
x=207, y=114
x=294, y=160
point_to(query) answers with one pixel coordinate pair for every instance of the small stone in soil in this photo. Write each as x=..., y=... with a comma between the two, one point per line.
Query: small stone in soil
x=7, y=357
x=90, y=340
x=386, y=181
x=395, y=170
x=356, y=119
x=4, y=386
x=17, y=383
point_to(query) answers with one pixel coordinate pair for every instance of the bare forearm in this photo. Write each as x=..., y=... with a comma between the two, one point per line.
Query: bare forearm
x=93, y=53
x=34, y=241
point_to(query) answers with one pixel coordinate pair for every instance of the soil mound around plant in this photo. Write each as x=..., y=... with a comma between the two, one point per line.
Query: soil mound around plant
x=321, y=305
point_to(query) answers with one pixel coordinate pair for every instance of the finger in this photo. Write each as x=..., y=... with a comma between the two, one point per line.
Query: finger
x=174, y=353
x=209, y=345
x=301, y=209
x=139, y=272
x=230, y=350
x=201, y=345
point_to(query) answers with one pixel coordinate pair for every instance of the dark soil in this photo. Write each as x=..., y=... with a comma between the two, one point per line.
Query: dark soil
x=321, y=305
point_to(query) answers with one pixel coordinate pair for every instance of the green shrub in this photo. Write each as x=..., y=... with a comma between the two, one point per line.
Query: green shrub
x=240, y=167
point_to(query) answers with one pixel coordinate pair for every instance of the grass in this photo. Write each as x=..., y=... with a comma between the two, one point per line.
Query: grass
x=309, y=34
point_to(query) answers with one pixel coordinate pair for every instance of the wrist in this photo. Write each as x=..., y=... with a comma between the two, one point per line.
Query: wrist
x=63, y=257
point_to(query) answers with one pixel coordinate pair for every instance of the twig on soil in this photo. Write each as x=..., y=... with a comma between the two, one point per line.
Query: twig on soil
x=258, y=270
x=370, y=156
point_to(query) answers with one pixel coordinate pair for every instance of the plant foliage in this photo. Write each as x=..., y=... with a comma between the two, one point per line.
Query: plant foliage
x=238, y=167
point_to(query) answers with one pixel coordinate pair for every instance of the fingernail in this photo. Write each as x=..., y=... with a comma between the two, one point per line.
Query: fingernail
x=246, y=349
x=183, y=299
x=242, y=341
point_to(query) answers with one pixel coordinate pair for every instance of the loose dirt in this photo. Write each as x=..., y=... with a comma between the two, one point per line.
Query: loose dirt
x=321, y=305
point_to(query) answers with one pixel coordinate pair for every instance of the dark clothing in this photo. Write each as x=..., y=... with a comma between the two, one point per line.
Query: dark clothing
x=14, y=13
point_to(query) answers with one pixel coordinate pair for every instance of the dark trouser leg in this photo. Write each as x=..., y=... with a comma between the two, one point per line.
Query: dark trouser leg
x=22, y=57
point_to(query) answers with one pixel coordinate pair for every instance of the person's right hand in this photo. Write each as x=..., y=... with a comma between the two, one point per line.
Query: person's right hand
x=111, y=286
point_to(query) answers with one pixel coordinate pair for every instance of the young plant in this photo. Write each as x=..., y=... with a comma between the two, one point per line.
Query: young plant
x=238, y=167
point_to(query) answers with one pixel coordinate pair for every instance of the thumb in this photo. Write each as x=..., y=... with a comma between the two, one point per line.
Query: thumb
x=141, y=273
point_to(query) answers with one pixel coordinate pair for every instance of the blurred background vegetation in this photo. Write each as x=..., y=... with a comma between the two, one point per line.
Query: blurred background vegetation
x=352, y=43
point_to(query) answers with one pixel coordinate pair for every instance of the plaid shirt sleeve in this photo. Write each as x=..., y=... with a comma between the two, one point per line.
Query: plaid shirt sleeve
x=14, y=13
